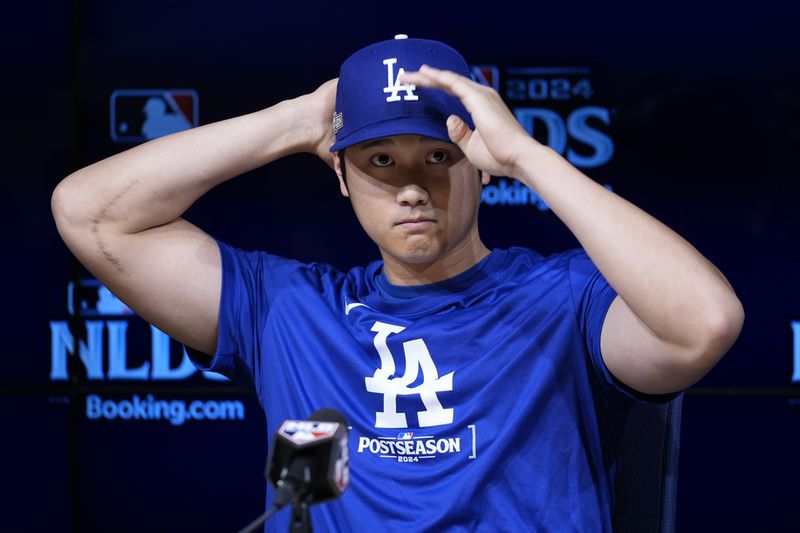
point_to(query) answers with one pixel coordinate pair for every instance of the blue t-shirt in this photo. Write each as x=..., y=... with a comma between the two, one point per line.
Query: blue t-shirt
x=479, y=403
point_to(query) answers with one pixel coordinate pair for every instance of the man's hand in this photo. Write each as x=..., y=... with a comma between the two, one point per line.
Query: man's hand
x=321, y=104
x=496, y=144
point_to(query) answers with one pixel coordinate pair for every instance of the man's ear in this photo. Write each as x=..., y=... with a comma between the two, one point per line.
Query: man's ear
x=485, y=177
x=337, y=166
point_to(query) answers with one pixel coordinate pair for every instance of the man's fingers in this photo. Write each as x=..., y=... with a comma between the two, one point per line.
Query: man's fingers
x=417, y=78
x=447, y=77
x=439, y=79
x=458, y=131
x=448, y=81
x=427, y=78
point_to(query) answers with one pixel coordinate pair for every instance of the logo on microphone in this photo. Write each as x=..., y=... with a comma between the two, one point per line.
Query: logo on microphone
x=302, y=432
x=341, y=468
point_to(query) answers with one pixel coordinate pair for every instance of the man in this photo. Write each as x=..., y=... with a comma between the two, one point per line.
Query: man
x=485, y=389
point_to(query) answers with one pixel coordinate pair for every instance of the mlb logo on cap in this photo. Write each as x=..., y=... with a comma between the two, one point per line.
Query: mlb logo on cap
x=372, y=103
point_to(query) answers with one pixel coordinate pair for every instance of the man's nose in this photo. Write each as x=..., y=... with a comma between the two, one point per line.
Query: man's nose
x=412, y=194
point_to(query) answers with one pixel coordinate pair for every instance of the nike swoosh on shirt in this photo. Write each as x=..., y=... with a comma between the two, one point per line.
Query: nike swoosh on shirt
x=348, y=307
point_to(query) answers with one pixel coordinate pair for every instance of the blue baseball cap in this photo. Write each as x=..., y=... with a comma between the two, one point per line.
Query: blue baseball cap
x=371, y=103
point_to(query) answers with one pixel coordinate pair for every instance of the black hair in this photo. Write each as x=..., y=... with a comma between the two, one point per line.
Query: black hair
x=344, y=172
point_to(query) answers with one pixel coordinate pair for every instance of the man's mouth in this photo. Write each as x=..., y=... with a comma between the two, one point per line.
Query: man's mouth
x=416, y=222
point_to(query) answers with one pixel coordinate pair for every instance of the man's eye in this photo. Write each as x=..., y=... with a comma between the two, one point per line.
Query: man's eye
x=381, y=160
x=438, y=156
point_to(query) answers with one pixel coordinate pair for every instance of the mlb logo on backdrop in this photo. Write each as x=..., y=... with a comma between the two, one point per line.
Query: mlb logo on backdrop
x=487, y=75
x=90, y=298
x=138, y=115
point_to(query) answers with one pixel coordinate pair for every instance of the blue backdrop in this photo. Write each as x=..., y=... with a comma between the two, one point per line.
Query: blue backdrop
x=692, y=112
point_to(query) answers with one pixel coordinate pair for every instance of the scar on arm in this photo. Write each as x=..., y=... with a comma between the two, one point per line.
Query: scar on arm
x=101, y=245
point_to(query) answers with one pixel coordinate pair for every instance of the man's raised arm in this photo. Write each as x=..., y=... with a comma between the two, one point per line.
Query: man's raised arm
x=675, y=314
x=121, y=216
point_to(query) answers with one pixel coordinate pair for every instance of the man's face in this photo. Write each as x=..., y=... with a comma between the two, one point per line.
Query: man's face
x=395, y=180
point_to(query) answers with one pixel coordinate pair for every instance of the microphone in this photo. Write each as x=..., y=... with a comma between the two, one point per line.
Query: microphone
x=309, y=459
x=308, y=463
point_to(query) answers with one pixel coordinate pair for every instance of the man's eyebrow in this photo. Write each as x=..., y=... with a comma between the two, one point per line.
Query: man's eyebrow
x=375, y=142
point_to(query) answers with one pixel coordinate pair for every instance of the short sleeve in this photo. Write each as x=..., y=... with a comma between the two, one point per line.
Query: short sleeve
x=250, y=283
x=591, y=297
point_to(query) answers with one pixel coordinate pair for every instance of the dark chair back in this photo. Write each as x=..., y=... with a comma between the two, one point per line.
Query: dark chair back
x=647, y=482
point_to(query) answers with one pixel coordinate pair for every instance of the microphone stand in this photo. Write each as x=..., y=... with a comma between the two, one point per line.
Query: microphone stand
x=301, y=522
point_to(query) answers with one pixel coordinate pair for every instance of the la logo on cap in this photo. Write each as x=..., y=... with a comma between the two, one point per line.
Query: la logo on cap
x=392, y=85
